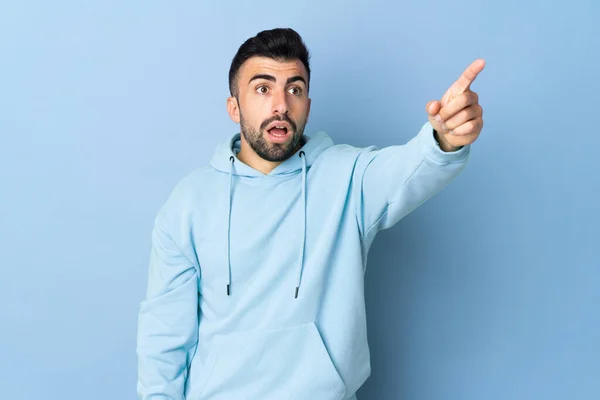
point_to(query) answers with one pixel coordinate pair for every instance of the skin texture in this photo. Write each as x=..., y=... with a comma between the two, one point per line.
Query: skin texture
x=268, y=91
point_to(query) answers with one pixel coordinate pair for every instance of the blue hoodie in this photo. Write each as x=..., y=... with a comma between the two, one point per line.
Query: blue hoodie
x=255, y=283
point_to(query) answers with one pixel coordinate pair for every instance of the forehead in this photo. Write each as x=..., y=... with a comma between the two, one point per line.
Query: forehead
x=276, y=68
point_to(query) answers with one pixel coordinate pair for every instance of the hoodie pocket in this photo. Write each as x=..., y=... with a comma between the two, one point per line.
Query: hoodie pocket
x=285, y=363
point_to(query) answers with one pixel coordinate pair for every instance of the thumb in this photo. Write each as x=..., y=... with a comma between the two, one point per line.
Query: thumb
x=433, y=107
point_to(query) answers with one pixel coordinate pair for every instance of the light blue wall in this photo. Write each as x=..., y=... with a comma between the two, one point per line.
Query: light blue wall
x=491, y=290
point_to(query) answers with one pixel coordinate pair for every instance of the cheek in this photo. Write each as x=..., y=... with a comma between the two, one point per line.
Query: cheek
x=299, y=106
x=254, y=113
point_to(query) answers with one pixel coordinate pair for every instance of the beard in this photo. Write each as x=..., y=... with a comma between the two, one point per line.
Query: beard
x=274, y=152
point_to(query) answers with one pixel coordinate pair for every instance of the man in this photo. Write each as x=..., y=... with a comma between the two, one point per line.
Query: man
x=255, y=285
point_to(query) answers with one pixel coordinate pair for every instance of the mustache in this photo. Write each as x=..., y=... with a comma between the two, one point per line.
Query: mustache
x=285, y=118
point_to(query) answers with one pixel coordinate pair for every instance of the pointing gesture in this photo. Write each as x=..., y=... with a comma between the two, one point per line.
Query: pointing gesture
x=457, y=118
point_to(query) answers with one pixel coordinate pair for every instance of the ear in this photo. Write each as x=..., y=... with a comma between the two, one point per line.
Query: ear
x=308, y=111
x=233, y=109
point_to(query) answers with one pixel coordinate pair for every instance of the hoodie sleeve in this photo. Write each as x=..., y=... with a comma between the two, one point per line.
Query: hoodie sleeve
x=392, y=182
x=168, y=320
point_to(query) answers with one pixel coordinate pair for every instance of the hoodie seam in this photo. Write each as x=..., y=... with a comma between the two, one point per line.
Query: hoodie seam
x=446, y=162
x=166, y=229
x=403, y=185
x=417, y=168
x=383, y=214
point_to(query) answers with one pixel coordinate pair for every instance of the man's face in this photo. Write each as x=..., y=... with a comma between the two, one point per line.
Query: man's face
x=272, y=106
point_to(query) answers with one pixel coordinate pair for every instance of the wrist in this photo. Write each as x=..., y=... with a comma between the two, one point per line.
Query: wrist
x=445, y=146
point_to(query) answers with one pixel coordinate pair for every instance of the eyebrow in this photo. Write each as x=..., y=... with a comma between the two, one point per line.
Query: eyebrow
x=272, y=78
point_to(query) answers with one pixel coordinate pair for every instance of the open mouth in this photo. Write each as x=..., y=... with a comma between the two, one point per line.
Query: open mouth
x=278, y=133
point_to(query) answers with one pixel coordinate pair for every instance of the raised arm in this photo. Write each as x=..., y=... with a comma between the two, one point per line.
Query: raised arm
x=391, y=182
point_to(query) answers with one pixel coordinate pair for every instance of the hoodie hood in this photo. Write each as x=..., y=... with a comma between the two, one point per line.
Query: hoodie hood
x=225, y=160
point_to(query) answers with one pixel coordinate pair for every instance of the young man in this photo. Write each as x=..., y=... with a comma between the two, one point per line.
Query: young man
x=255, y=285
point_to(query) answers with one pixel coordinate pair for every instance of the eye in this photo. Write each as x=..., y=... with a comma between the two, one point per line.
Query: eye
x=296, y=91
x=262, y=89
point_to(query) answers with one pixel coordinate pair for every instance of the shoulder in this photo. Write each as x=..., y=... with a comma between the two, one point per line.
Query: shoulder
x=345, y=154
x=345, y=151
x=189, y=191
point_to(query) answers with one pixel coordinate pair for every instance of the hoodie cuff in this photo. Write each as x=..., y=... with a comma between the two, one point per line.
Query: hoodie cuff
x=436, y=154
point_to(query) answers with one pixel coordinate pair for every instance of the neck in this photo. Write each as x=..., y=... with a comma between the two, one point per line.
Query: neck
x=250, y=158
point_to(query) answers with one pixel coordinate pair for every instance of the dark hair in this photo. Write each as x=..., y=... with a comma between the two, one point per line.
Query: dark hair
x=279, y=44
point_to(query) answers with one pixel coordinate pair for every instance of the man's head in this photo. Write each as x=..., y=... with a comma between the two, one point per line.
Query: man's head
x=268, y=81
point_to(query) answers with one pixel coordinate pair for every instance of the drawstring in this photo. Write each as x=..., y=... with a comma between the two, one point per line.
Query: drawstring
x=301, y=263
x=231, y=159
x=302, y=155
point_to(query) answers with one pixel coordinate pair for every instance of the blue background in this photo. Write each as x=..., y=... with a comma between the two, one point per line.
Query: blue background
x=491, y=290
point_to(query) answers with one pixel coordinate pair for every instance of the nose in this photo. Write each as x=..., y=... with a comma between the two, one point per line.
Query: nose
x=280, y=104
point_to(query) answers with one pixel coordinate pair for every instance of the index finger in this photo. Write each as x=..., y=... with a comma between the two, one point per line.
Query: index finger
x=468, y=76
